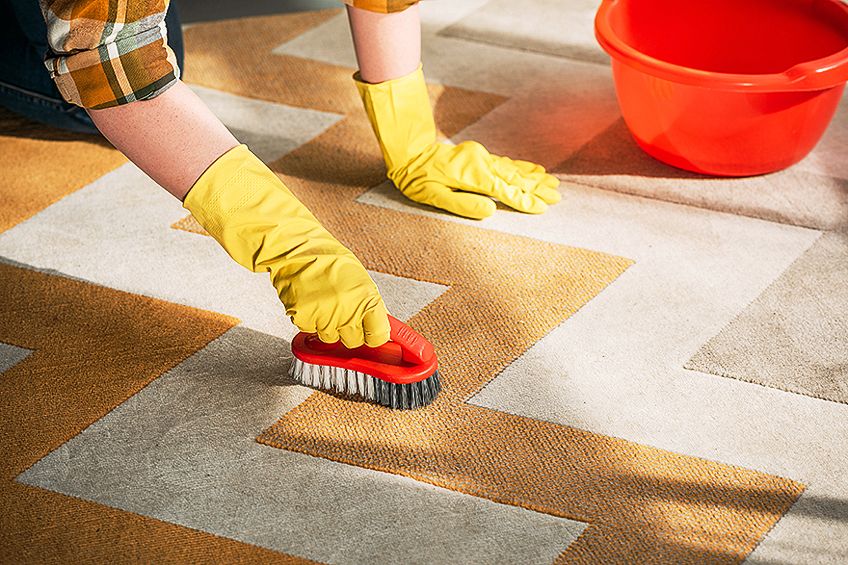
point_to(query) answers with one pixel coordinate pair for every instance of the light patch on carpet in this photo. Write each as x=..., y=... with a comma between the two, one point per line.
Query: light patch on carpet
x=794, y=336
x=451, y=61
x=556, y=27
x=270, y=130
x=74, y=161
x=93, y=347
x=798, y=195
x=182, y=450
x=11, y=355
x=616, y=366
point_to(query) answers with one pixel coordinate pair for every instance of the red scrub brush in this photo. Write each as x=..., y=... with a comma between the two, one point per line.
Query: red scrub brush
x=402, y=373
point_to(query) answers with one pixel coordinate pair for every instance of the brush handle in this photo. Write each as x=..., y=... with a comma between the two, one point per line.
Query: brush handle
x=415, y=346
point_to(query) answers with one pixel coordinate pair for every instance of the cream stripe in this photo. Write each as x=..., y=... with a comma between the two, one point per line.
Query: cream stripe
x=118, y=68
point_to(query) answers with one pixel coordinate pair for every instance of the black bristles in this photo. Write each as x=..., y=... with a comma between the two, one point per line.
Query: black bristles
x=352, y=383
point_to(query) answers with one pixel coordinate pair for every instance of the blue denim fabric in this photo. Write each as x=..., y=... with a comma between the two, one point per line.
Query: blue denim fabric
x=25, y=84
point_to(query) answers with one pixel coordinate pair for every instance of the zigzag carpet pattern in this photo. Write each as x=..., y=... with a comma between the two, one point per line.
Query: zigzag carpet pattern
x=652, y=371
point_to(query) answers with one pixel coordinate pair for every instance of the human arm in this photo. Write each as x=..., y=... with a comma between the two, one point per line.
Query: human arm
x=173, y=137
x=167, y=131
x=387, y=46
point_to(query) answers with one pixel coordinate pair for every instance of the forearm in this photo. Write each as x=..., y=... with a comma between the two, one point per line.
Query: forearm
x=173, y=137
x=387, y=46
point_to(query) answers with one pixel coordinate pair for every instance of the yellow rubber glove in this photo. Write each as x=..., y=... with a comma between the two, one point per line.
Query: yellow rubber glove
x=461, y=179
x=264, y=227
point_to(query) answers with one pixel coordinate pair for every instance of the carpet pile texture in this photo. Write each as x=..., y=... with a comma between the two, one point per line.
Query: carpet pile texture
x=655, y=370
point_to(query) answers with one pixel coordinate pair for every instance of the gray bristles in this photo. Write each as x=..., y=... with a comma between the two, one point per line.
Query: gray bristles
x=372, y=389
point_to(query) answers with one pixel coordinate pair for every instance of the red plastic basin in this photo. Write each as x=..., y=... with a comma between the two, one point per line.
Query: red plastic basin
x=727, y=87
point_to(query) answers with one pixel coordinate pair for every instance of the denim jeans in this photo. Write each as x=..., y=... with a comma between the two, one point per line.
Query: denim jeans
x=25, y=84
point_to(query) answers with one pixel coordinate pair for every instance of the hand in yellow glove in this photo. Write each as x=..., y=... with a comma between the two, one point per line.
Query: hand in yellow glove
x=461, y=179
x=264, y=227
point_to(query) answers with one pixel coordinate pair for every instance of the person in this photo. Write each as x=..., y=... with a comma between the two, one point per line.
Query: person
x=115, y=60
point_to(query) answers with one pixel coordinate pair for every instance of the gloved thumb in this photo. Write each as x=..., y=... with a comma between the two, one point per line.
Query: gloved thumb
x=375, y=325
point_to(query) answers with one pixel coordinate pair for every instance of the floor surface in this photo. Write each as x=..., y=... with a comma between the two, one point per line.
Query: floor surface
x=654, y=370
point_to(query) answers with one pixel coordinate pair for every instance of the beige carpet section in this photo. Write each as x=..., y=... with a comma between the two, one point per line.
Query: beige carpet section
x=93, y=348
x=805, y=195
x=11, y=355
x=69, y=162
x=794, y=336
x=556, y=27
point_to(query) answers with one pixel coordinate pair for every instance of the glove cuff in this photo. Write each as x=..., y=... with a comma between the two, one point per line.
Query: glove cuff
x=226, y=186
x=254, y=216
x=400, y=114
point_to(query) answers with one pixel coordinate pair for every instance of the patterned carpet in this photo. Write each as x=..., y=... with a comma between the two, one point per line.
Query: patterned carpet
x=656, y=370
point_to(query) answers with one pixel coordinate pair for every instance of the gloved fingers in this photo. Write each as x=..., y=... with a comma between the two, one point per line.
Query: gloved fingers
x=541, y=185
x=549, y=195
x=328, y=334
x=526, y=167
x=517, y=198
x=466, y=204
x=375, y=326
x=534, y=184
x=352, y=336
x=528, y=180
x=544, y=179
x=474, y=206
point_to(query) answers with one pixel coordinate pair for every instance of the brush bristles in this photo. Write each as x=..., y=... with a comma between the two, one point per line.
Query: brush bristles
x=372, y=389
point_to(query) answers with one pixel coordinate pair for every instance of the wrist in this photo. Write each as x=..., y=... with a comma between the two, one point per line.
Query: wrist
x=208, y=199
x=400, y=115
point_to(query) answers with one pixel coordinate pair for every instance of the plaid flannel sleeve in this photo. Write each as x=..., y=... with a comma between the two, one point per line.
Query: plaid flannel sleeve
x=105, y=53
x=383, y=6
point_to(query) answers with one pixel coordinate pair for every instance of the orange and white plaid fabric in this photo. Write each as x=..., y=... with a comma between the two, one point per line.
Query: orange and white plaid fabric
x=384, y=6
x=109, y=52
x=106, y=53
